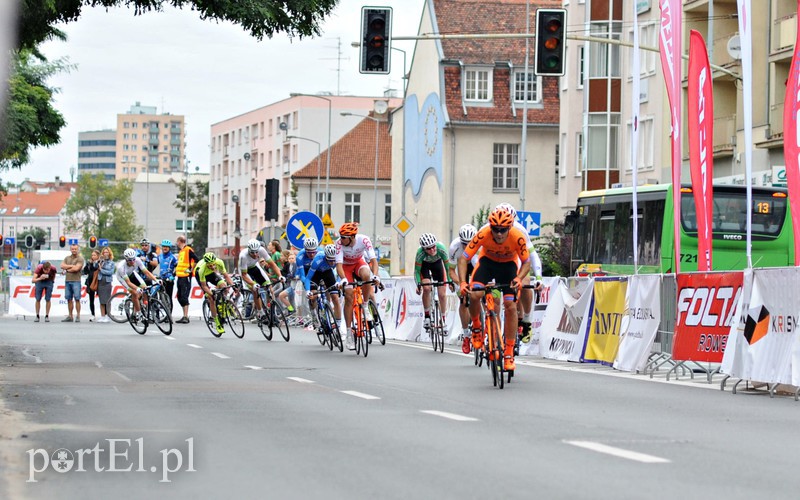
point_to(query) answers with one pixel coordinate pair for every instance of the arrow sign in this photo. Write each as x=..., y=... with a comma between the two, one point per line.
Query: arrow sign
x=13, y=263
x=303, y=225
x=9, y=241
x=72, y=241
x=532, y=222
x=102, y=242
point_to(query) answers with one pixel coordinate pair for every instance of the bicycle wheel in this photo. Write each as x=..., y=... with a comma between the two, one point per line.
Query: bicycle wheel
x=163, y=319
x=322, y=331
x=362, y=338
x=165, y=299
x=278, y=320
x=139, y=324
x=439, y=332
x=368, y=330
x=499, y=367
x=210, y=324
x=335, y=336
x=233, y=317
x=116, y=307
x=436, y=339
x=377, y=322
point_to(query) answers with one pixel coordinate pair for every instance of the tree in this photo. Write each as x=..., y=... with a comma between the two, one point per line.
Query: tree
x=554, y=250
x=480, y=218
x=103, y=209
x=198, y=210
x=262, y=18
x=31, y=120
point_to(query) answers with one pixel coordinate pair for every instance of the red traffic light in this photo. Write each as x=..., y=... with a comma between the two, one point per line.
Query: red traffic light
x=92, y=241
x=62, y=241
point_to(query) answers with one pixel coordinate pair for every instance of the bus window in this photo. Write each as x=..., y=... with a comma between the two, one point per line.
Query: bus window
x=729, y=214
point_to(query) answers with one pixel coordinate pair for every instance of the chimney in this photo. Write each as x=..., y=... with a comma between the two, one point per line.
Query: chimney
x=58, y=181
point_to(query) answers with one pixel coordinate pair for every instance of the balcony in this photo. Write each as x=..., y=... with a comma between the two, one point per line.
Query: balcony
x=153, y=141
x=724, y=134
x=783, y=36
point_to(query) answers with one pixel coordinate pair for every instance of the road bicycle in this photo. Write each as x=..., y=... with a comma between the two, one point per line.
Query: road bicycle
x=272, y=315
x=328, y=332
x=227, y=311
x=152, y=310
x=493, y=348
x=436, y=330
x=365, y=319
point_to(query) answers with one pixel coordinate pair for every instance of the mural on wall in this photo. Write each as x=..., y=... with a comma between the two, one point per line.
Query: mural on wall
x=423, y=140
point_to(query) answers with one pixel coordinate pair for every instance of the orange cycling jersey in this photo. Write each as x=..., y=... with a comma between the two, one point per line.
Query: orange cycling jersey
x=512, y=248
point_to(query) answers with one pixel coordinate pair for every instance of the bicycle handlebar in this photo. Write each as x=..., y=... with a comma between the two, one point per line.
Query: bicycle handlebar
x=436, y=283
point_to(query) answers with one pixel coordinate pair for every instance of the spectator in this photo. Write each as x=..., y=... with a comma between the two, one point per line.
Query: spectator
x=44, y=276
x=91, y=269
x=288, y=265
x=105, y=281
x=183, y=271
x=73, y=265
x=274, y=249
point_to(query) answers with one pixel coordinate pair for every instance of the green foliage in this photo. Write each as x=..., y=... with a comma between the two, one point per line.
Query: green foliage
x=103, y=209
x=261, y=18
x=31, y=120
x=480, y=218
x=553, y=248
x=198, y=210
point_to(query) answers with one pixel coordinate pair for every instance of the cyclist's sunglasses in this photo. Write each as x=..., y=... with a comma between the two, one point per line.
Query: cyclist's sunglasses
x=499, y=230
x=432, y=247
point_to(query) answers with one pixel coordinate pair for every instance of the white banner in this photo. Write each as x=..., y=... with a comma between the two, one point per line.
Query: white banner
x=532, y=348
x=563, y=330
x=640, y=324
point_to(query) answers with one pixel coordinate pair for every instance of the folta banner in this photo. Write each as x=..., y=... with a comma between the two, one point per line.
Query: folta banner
x=640, y=322
x=669, y=42
x=791, y=140
x=607, y=311
x=706, y=311
x=763, y=343
x=701, y=136
x=563, y=332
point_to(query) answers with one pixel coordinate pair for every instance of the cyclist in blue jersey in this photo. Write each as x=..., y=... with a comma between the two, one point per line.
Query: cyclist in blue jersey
x=319, y=273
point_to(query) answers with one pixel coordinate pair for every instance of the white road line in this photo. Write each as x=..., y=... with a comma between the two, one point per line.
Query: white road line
x=220, y=355
x=451, y=416
x=195, y=346
x=253, y=367
x=301, y=380
x=619, y=452
x=98, y=364
x=123, y=377
x=168, y=337
x=359, y=395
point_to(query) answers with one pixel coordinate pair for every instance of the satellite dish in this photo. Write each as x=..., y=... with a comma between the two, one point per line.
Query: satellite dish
x=283, y=126
x=380, y=107
x=247, y=157
x=735, y=47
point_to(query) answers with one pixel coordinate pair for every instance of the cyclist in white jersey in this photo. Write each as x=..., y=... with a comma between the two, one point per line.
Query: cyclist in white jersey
x=351, y=249
x=465, y=234
x=253, y=273
x=128, y=271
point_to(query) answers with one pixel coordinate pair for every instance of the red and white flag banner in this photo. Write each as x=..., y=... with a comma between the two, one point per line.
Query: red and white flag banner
x=791, y=140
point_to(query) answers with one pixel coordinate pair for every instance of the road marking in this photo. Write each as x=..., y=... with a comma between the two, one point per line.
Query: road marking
x=451, y=416
x=168, y=337
x=36, y=358
x=301, y=380
x=195, y=346
x=618, y=452
x=253, y=367
x=98, y=364
x=359, y=395
x=123, y=377
x=220, y=355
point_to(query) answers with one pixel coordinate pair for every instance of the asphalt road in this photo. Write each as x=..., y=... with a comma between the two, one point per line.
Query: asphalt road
x=251, y=418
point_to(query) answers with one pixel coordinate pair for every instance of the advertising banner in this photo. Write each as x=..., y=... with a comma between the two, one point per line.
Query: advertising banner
x=563, y=330
x=532, y=348
x=640, y=323
x=606, y=313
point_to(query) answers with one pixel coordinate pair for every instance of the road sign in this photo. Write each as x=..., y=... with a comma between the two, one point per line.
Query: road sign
x=20, y=255
x=327, y=222
x=73, y=241
x=303, y=225
x=10, y=241
x=326, y=239
x=102, y=242
x=532, y=222
x=403, y=225
x=13, y=263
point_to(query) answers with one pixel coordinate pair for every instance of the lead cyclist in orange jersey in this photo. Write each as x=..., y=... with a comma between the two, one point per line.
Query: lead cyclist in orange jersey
x=500, y=248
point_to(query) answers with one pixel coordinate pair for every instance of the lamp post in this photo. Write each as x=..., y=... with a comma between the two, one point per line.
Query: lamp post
x=328, y=154
x=319, y=153
x=375, y=179
x=237, y=232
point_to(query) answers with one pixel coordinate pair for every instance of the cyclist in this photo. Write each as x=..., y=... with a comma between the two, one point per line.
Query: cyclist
x=167, y=262
x=253, y=272
x=430, y=262
x=525, y=302
x=208, y=272
x=351, y=248
x=315, y=269
x=147, y=255
x=457, y=246
x=501, y=248
x=128, y=271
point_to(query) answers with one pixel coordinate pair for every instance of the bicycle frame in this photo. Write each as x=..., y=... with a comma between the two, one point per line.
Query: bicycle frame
x=436, y=332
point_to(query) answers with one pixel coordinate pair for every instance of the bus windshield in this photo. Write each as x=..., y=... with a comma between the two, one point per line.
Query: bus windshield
x=729, y=214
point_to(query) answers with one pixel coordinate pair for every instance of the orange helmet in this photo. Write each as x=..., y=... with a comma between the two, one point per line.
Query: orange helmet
x=501, y=218
x=348, y=229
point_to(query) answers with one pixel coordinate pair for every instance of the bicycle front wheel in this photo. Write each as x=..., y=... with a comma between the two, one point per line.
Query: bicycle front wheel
x=362, y=339
x=163, y=319
x=210, y=323
x=334, y=335
x=278, y=320
x=116, y=307
x=377, y=322
x=323, y=330
x=139, y=324
x=234, y=319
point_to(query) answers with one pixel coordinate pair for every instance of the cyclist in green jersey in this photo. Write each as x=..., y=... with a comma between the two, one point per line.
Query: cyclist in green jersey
x=211, y=271
x=430, y=265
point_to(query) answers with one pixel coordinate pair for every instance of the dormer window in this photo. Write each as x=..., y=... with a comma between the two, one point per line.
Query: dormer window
x=477, y=84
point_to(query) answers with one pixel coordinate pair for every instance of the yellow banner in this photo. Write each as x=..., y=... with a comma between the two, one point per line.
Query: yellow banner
x=609, y=308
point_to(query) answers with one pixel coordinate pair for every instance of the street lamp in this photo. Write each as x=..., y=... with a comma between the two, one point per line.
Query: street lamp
x=328, y=155
x=319, y=153
x=237, y=232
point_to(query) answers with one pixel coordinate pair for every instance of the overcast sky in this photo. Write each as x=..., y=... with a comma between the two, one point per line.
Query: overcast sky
x=205, y=71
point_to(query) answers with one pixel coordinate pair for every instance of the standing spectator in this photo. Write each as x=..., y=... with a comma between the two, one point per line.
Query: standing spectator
x=166, y=269
x=105, y=281
x=73, y=265
x=288, y=265
x=148, y=256
x=183, y=271
x=44, y=277
x=91, y=269
x=274, y=249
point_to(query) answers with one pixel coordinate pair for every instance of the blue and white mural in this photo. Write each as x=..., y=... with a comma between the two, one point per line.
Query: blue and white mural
x=423, y=140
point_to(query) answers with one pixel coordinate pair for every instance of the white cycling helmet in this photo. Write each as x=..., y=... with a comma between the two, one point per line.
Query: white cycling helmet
x=466, y=233
x=253, y=245
x=310, y=243
x=330, y=251
x=129, y=254
x=427, y=240
x=508, y=208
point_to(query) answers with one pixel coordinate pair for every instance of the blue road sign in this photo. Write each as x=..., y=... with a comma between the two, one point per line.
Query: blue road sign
x=10, y=241
x=102, y=242
x=531, y=221
x=72, y=241
x=13, y=263
x=303, y=225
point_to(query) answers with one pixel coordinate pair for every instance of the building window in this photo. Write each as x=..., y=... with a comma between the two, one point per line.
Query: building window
x=603, y=141
x=352, y=207
x=125, y=137
x=126, y=125
x=505, y=167
x=532, y=93
x=579, y=154
x=581, y=65
x=645, y=149
x=558, y=162
x=604, y=57
x=387, y=209
x=294, y=119
x=320, y=209
x=179, y=225
x=477, y=84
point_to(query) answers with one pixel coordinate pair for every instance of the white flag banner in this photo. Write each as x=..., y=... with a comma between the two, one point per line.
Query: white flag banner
x=532, y=348
x=563, y=330
x=640, y=323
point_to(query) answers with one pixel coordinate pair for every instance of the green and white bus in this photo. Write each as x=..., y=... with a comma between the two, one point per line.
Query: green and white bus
x=602, y=230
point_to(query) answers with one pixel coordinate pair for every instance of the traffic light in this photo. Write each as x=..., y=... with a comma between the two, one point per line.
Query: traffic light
x=551, y=25
x=93, y=242
x=29, y=241
x=376, y=38
x=62, y=241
